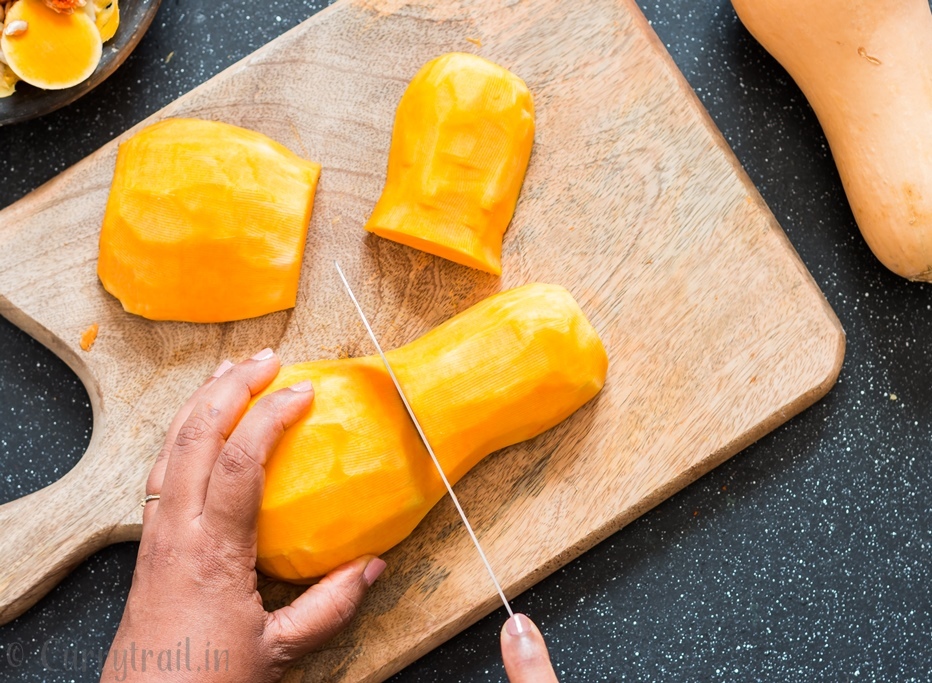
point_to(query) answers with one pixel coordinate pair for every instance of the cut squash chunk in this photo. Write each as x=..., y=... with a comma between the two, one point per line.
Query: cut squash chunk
x=206, y=222
x=460, y=148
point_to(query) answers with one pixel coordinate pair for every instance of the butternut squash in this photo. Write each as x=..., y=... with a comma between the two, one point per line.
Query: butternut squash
x=352, y=477
x=460, y=149
x=206, y=222
x=864, y=67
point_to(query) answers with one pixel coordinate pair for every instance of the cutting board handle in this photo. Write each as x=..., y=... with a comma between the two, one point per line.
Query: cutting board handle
x=48, y=532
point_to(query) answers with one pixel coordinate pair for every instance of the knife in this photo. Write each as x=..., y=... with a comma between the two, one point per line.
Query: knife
x=430, y=451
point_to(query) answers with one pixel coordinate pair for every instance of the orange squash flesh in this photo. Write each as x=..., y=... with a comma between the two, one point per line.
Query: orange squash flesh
x=107, y=18
x=56, y=51
x=460, y=149
x=206, y=222
x=353, y=478
x=8, y=81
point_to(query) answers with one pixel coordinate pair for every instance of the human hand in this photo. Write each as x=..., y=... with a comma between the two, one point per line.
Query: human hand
x=193, y=613
x=525, y=652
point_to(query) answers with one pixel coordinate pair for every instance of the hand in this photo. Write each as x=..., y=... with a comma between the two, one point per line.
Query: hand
x=193, y=613
x=525, y=652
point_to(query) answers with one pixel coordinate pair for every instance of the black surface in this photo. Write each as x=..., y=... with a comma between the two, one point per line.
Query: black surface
x=28, y=102
x=806, y=557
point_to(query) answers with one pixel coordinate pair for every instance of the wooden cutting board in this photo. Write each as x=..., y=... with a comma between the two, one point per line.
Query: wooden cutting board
x=715, y=331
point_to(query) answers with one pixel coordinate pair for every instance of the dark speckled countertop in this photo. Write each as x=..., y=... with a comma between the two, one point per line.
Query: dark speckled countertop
x=806, y=557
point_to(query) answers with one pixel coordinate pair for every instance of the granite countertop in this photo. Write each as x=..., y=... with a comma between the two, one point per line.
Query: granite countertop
x=805, y=557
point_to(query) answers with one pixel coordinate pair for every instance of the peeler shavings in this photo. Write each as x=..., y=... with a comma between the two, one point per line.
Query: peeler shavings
x=89, y=337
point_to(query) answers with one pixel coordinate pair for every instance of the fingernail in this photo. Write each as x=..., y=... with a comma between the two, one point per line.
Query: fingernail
x=222, y=368
x=264, y=354
x=518, y=625
x=302, y=387
x=374, y=570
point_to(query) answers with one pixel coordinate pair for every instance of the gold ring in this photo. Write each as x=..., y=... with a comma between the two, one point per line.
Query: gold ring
x=150, y=497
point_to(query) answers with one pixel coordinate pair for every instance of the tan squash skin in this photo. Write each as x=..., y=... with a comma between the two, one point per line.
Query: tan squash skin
x=866, y=68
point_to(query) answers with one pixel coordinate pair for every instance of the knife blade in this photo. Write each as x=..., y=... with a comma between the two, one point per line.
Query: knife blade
x=430, y=451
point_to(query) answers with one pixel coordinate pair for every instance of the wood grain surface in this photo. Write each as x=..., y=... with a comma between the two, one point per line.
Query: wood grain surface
x=715, y=331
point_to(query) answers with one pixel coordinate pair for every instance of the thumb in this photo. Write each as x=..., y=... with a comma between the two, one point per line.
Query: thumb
x=525, y=652
x=323, y=610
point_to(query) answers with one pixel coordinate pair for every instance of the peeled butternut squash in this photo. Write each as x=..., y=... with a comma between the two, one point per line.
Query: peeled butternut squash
x=206, y=222
x=460, y=149
x=352, y=477
x=864, y=67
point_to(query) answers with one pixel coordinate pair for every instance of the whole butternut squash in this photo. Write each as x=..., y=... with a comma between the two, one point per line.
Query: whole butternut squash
x=352, y=477
x=206, y=222
x=864, y=66
x=460, y=149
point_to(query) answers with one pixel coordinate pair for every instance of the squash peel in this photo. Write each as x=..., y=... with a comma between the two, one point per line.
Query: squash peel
x=353, y=478
x=206, y=222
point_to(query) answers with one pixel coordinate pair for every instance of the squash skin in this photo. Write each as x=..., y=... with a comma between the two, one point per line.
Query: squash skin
x=460, y=149
x=864, y=67
x=206, y=222
x=353, y=478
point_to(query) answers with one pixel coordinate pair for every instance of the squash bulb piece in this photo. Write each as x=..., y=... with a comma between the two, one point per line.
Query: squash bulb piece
x=56, y=50
x=352, y=477
x=460, y=148
x=206, y=222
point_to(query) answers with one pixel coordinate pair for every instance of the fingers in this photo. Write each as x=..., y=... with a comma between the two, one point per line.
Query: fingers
x=234, y=493
x=525, y=652
x=205, y=430
x=323, y=610
x=157, y=473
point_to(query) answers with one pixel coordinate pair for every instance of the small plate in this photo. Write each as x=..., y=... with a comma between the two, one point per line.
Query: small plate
x=29, y=102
